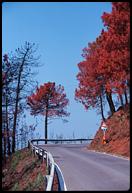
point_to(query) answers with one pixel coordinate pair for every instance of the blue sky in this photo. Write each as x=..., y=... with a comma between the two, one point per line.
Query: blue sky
x=61, y=30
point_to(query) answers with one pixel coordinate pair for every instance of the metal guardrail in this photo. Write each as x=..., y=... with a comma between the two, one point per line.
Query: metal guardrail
x=57, y=140
x=62, y=185
x=51, y=167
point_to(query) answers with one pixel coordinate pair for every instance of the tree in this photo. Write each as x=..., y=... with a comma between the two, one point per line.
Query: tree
x=17, y=83
x=105, y=69
x=24, y=59
x=8, y=75
x=92, y=81
x=49, y=101
x=116, y=46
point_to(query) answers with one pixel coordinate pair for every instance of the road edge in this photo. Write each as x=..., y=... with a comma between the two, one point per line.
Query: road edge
x=110, y=154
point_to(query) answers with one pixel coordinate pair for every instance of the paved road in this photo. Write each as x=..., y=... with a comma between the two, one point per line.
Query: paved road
x=88, y=170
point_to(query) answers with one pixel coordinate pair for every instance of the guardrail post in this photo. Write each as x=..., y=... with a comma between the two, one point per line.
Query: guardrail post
x=34, y=151
x=39, y=153
x=42, y=155
x=47, y=164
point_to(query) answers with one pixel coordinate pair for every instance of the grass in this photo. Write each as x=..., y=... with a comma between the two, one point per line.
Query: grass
x=15, y=187
x=39, y=180
x=25, y=172
x=38, y=183
x=18, y=155
x=15, y=159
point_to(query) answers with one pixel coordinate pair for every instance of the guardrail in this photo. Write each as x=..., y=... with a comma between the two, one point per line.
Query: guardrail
x=51, y=167
x=61, y=140
x=62, y=185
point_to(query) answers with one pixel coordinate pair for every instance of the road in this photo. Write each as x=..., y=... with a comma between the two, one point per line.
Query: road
x=88, y=170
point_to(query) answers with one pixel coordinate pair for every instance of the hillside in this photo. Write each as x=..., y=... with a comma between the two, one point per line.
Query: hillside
x=117, y=134
x=24, y=172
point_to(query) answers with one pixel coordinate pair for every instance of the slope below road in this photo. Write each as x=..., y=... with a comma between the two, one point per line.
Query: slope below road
x=88, y=170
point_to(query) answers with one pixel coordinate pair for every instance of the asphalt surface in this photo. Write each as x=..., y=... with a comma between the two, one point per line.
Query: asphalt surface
x=87, y=170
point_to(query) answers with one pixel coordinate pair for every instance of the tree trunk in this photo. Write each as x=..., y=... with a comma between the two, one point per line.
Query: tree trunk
x=101, y=106
x=15, y=115
x=2, y=146
x=16, y=105
x=125, y=93
x=7, y=126
x=121, y=100
x=46, y=124
x=4, y=135
x=110, y=102
x=7, y=131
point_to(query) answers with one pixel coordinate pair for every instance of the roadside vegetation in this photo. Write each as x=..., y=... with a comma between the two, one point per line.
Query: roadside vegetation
x=24, y=171
x=117, y=134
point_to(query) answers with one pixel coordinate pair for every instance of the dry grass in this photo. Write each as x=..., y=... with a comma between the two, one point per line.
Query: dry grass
x=23, y=171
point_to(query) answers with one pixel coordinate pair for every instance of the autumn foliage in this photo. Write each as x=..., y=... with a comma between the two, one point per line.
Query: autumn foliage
x=49, y=98
x=105, y=69
x=49, y=101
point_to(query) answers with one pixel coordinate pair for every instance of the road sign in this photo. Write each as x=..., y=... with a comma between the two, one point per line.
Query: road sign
x=103, y=126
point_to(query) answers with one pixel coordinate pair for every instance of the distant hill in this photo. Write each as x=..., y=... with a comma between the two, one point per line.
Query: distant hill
x=117, y=134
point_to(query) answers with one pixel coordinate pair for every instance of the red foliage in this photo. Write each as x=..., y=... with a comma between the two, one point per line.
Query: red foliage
x=91, y=79
x=115, y=44
x=49, y=99
x=106, y=64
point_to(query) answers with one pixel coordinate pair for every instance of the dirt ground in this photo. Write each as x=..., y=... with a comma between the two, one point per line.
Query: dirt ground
x=25, y=172
x=117, y=134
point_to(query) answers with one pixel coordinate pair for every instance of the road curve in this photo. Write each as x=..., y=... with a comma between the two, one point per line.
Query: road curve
x=88, y=170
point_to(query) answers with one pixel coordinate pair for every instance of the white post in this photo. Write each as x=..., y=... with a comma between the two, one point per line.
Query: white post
x=104, y=133
x=47, y=168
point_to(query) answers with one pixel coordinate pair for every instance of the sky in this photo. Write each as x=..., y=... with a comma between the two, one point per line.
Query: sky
x=61, y=30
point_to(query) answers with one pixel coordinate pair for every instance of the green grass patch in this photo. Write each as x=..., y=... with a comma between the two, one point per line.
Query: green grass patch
x=15, y=187
x=19, y=155
x=15, y=159
x=38, y=182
